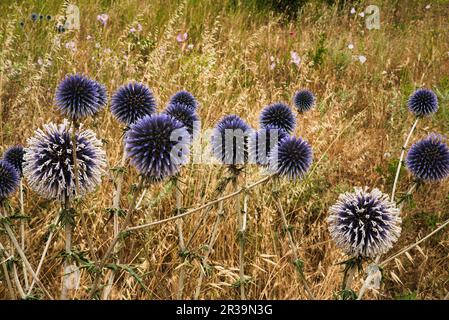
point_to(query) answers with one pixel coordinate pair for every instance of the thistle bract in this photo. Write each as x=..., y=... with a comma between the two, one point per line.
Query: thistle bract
x=291, y=158
x=14, y=155
x=158, y=146
x=304, y=100
x=423, y=102
x=428, y=159
x=9, y=179
x=278, y=115
x=132, y=102
x=261, y=143
x=184, y=97
x=49, y=166
x=78, y=96
x=184, y=114
x=230, y=140
x=364, y=223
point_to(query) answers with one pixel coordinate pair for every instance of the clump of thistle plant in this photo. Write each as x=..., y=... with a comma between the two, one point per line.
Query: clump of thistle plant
x=364, y=224
x=304, y=100
x=278, y=115
x=428, y=159
x=185, y=98
x=132, y=102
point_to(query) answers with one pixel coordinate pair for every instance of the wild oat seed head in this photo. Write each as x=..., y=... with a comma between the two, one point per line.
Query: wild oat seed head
x=48, y=165
x=428, y=159
x=132, y=102
x=364, y=223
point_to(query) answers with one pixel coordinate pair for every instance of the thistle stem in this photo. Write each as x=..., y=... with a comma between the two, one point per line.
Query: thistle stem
x=242, y=234
x=12, y=294
x=401, y=158
x=182, y=247
x=17, y=281
x=110, y=249
x=22, y=232
x=116, y=206
x=210, y=245
x=293, y=247
x=68, y=227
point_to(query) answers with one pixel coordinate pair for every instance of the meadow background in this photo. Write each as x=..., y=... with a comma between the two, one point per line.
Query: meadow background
x=240, y=60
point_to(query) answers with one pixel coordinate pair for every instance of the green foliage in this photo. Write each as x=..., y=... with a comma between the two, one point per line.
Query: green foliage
x=412, y=295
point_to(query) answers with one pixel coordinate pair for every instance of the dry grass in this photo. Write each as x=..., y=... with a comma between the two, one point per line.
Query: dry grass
x=356, y=130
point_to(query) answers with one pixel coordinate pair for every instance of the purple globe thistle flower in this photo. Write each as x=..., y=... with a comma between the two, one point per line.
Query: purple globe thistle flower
x=291, y=158
x=14, y=155
x=230, y=140
x=78, y=96
x=158, y=146
x=49, y=166
x=9, y=179
x=364, y=224
x=184, y=97
x=261, y=143
x=132, y=102
x=278, y=115
x=184, y=114
x=34, y=16
x=428, y=159
x=102, y=94
x=304, y=100
x=423, y=102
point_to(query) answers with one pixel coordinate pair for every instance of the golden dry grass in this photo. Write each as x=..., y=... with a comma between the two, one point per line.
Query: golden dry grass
x=356, y=130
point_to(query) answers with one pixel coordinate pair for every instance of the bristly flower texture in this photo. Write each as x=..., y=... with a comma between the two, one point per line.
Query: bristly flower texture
x=78, y=97
x=423, y=102
x=230, y=140
x=9, y=179
x=364, y=224
x=304, y=100
x=428, y=159
x=14, y=155
x=184, y=97
x=291, y=158
x=261, y=143
x=278, y=115
x=48, y=165
x=132, y=102
x=158, y=146
x=184, y=114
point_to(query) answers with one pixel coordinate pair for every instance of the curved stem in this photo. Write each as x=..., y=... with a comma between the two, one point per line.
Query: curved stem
x=22, y=232
x=401, y=159
x=182, y=247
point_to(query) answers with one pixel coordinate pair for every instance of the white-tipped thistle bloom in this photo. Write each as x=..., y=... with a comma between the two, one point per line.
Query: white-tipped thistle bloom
x=364, y=223
x=48, y=161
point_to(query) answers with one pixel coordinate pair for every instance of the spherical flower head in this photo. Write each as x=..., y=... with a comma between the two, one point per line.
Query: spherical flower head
x=184, y=114
x=364, y=224
x=428, y=159
x=78, y=97
x=132, y=102
x=184, y=97
x=261, y=143
x=278, y=115
x=49, y=166
x=291, y=158
x=9, y=179
x=423, y=102
x=230, y=140
x=158, y=146
x=14, y=155
x=102, y=94
x=304, y=100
